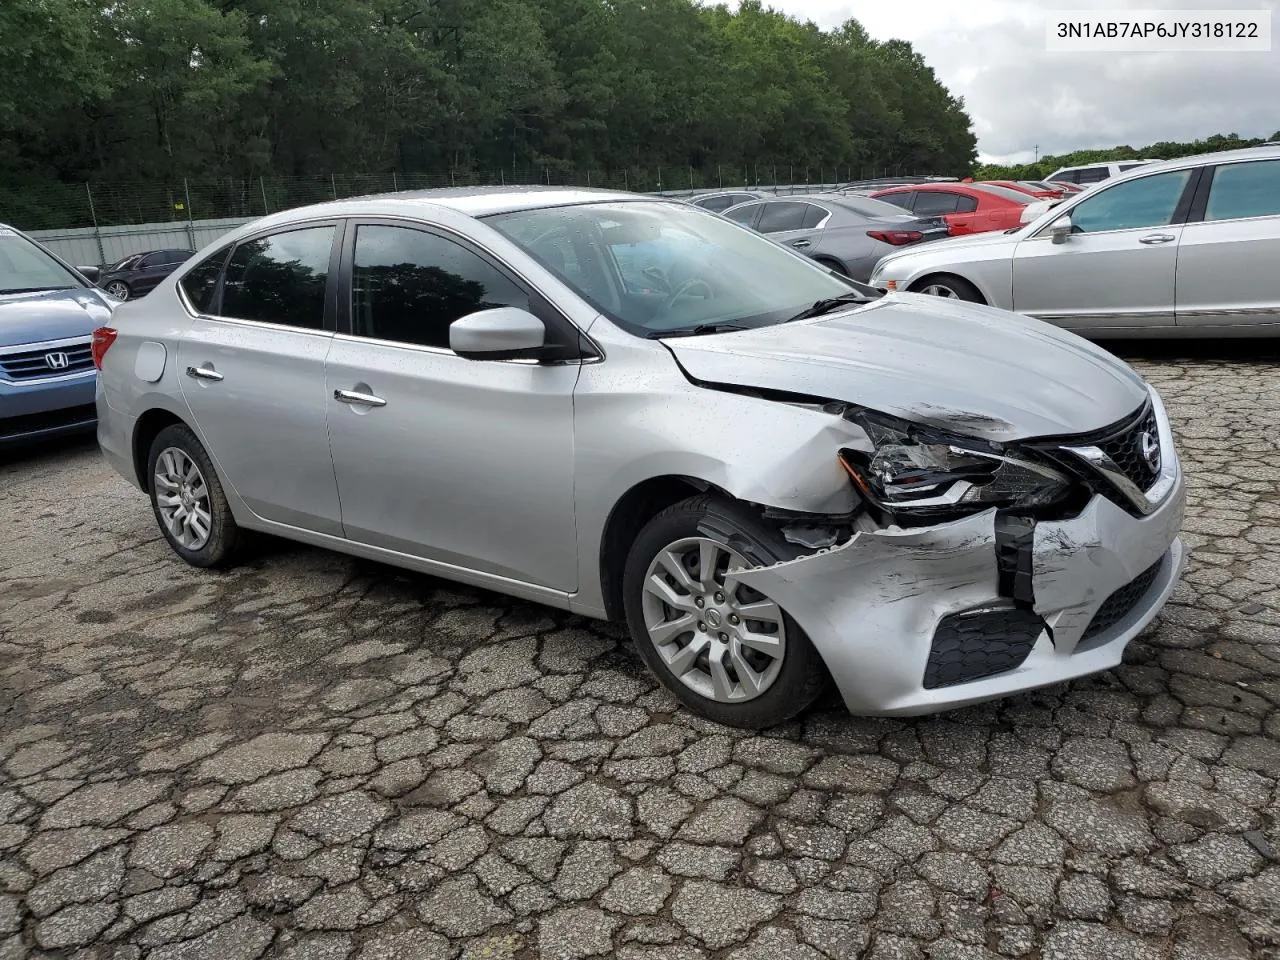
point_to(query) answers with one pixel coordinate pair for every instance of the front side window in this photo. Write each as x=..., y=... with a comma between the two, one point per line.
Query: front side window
x=26, y=268
x=409, y=286
x=743, y=214
x=1148, y=202
x=201, y=281
x=1242, y=190
x=903, y=199
x=1092, y=175
x=660, y=268
x=280, y=278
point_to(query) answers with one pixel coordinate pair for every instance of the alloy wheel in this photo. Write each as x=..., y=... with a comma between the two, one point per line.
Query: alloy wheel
x=182, y=498
x=722, y=639
x=940, y=290
x=118, y=289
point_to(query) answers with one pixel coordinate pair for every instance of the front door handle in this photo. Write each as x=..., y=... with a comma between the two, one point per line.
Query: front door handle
x=801, y=243
x=359, y=399
x=204, y=373
x=1157, y=238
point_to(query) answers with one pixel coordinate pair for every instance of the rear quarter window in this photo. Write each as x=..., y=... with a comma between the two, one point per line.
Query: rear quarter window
x=201, y=282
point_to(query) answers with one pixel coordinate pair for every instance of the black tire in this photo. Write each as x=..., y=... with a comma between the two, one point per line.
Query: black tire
x=225, y=537
x=802, y=677
x=963, y=289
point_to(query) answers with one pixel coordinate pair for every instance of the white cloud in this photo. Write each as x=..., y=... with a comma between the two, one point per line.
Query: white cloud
x=1020, y=96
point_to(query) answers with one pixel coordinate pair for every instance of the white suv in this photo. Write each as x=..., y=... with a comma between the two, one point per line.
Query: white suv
x=1094, y=172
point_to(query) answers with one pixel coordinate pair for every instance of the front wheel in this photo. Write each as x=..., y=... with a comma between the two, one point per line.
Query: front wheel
x=118, y=289
x=725, y=650
x=189, y=503
x=948, y=287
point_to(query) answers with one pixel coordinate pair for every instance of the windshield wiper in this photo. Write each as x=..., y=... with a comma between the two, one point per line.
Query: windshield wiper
x=826, y=306
x=698, y=330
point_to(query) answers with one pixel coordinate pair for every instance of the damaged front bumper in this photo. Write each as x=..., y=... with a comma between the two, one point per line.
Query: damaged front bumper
x=916, y=620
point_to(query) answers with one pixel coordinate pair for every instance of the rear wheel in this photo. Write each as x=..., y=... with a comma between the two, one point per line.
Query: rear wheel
x=189, y=503
x=725, y=650
x=949, y=287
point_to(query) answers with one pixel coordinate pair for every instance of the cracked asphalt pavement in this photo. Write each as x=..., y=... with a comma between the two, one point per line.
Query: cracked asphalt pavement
x=320, y=758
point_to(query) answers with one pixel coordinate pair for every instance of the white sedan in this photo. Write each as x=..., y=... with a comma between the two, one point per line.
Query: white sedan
x=1181, y=248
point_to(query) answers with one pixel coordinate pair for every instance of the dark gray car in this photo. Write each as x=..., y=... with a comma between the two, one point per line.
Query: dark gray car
x=849, y=234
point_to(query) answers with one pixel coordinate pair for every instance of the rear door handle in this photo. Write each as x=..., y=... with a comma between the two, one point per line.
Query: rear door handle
x=203, y=373
x=800, y=243
x=358, y=399
x=1157, y=238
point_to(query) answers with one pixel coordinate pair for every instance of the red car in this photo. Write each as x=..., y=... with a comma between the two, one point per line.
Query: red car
x=1041, y=191
x=966, y=207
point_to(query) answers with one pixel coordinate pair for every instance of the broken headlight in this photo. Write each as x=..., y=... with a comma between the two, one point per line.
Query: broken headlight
x=916, y=470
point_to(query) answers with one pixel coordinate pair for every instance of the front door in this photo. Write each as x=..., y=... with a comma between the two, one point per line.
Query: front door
x=467, y=463
x=252, y=372
x=1116, y=269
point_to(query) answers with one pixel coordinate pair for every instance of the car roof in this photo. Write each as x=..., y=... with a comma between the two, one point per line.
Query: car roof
x=483, y=201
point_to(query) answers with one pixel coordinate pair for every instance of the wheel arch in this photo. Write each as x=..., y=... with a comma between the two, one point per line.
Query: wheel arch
x=938, y=275
x=145, y=431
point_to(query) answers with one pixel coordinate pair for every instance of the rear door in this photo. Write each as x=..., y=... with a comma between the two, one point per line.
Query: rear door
x=1117, y=267
x=796, y=223
x=1231, y=247
x=252, y=367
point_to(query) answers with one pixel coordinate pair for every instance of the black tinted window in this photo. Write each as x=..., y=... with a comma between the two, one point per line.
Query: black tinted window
x=813, y=216
x=902, y=199
x=178, y=256
x=409, y=285
x=717, y=204
x=280, y=279
x=152, y=260
x=202, y=280
x=1092, y=175
x=966, y=205
x=782, y=215
x=743, y=214
x=1245, y=190
x=934, y=203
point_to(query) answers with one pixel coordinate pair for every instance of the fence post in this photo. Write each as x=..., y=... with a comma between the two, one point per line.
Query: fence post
x=395, y=182
x=333, y=185
x=262, y=185
x=588, y=176
x=97, y=234
x=719, y=178
x=625, y=184
x=191, y=227
x=690, y=176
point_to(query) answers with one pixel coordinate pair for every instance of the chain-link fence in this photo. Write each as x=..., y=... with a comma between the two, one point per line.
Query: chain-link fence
x=61, y=206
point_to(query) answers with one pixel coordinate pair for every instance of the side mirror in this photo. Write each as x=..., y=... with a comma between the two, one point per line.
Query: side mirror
x=90, y=273
x=503, y=333
x=1061, y=229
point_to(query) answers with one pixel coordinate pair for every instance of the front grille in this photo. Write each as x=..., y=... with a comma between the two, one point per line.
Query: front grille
x=29, y=364
x=1125, y=449
x=975, y=644
x=15, y=427
x=1117, y=606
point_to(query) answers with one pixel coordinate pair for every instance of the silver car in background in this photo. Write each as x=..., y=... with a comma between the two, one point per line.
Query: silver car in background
x=774, y=476
x=1185, y=247
x=845, y=233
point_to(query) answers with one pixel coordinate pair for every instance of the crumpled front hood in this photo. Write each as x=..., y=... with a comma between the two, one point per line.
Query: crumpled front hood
x=50, y=315
x=959, y=366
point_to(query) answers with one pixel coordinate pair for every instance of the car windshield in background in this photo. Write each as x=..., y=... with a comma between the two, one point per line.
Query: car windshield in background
x=660, y=268
x=25, y=268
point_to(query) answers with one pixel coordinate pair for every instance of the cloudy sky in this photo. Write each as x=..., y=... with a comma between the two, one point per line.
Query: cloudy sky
x=992, y=53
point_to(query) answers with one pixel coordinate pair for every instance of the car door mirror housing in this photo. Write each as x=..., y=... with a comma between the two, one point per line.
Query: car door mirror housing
x=1060, y=230
x=92, y=274
x=502, y=333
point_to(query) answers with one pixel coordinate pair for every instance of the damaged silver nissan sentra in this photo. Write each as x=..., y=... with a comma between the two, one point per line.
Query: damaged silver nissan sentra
x=631, y=408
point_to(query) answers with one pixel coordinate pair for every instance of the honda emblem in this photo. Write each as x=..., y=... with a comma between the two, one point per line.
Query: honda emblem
x=56, y=360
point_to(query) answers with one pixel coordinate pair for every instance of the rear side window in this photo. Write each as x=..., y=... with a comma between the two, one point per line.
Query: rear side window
x=782, y=215
x=723, y=202
x=200, y=283
x=743, y=214
x=409, y=286
x=1245, y=190
x=966, y=205
x=280, y=279
x=1092, y=175
x=935, y=203
x=902, y=199
x=813, y=216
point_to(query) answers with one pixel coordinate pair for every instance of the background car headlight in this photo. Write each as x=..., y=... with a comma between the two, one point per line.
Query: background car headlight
x=916, y=470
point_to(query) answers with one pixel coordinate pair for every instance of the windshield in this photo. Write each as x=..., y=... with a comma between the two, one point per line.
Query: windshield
x=25, y=268
x=658, y=268
x=128, y=261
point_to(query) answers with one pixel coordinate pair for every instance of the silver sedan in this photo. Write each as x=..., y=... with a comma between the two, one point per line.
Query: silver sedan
x=634, y=409
x=1181, y=248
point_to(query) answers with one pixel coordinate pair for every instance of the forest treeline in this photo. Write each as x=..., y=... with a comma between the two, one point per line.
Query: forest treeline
x=1164, y=150
x=160, y=89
